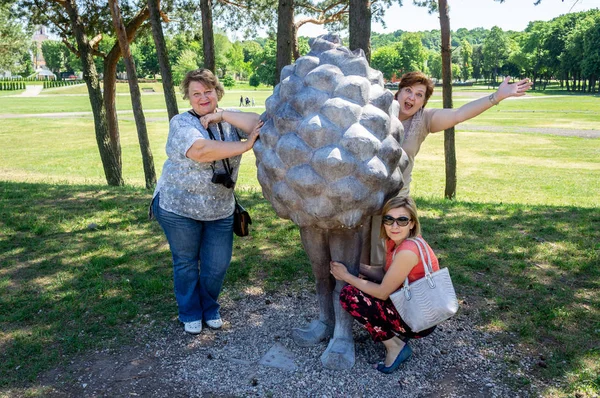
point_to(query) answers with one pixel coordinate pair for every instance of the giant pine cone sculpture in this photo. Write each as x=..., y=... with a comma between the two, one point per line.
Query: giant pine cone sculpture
x=329, y=152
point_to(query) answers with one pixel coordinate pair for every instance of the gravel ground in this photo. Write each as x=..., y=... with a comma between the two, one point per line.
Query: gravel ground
x=457, y=360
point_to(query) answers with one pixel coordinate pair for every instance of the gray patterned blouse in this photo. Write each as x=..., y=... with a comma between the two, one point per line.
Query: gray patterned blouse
x=185, y=185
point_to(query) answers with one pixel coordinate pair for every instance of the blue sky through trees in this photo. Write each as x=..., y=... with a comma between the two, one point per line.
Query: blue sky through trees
x=510, y=15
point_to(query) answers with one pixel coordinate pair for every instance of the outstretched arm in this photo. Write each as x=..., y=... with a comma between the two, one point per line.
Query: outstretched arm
x=446, y=118
x=244, y=121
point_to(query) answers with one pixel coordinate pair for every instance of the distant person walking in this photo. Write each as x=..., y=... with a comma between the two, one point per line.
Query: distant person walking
x=241, y=100
x=252, y=101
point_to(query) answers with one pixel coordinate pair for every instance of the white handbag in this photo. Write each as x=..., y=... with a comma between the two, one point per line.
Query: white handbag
x=429, y=300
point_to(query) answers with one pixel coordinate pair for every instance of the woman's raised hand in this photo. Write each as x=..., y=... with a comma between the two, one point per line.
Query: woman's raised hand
x=517, y=89
x=211, y=118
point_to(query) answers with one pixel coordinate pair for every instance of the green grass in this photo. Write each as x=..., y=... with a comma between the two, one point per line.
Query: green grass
x=80, y=262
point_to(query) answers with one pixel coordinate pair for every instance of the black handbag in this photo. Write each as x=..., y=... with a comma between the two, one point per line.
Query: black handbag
x=241, y=220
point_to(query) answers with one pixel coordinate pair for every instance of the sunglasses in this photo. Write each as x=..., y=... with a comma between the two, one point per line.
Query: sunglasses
x=401, y=221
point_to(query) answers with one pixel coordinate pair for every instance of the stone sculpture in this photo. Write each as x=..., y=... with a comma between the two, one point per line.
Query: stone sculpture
x=328, y=157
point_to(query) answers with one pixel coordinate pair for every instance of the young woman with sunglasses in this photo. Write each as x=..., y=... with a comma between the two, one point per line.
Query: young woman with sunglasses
x=367, y=300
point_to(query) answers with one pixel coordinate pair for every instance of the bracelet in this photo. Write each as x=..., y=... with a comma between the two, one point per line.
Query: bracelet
x=493, y=99
x=222, y=115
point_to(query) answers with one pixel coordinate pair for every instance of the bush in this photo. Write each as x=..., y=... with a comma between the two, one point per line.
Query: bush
x=254, y=80
x=228, y=81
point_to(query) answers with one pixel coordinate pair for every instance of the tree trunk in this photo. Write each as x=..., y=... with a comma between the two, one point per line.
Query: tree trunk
x=285, y=36
x=449, y=144
x=111, y=159
x=208, y=40
x=360, y=26
x=136, y=98
x=296, y=48
x=163, y=58
x=110, y=80
x=110, y=90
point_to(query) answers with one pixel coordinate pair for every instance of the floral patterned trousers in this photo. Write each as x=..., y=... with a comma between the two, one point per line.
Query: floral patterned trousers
x=379, y=317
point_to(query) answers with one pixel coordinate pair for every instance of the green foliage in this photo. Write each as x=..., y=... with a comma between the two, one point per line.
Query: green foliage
x=144, y=54
x=466, y=65
x=412, y=52
x=387, y=60
x=187, y=61
x=14, y=41
x=228, y=81
x=265, y=64
x=434, y=64
x=254, y=80
x=495, y=50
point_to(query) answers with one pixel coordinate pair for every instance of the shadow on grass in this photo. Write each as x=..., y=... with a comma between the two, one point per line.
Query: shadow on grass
x=81, y=264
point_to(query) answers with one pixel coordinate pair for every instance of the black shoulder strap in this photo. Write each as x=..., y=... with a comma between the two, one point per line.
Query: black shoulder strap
x=225, y=161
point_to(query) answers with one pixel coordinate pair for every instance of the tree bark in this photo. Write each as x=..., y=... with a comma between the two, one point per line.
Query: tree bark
x=136, y=98
x=109, y=151
x=449, y=142
x=285, y=36
x=360, y=26
x=295, y=46
x=110, y=90
x=208, y=39
x=163, y=58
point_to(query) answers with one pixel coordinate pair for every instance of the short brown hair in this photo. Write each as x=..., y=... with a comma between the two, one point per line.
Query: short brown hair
x=204, y=76
x=412, y=78
x=409, y=204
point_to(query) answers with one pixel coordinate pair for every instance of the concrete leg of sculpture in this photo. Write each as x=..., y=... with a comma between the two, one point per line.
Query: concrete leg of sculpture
x=345, y=246
x=365, y=253
x=316, y=245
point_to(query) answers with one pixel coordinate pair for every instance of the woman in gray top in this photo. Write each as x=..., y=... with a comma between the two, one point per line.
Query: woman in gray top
x=193, y=201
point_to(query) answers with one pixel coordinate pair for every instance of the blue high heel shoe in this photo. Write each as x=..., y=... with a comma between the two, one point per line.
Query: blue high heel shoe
x=403, y=355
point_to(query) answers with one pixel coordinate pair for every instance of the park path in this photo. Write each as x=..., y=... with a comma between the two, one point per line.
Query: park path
x=32, y=90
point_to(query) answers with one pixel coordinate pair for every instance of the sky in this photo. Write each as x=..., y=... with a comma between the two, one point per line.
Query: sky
x=510, y=15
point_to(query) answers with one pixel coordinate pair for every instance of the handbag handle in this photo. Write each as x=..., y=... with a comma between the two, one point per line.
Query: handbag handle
x=426, y=266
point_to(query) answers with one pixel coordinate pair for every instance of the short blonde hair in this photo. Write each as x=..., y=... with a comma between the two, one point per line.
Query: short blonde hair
x=204, y=76
x=409, y=204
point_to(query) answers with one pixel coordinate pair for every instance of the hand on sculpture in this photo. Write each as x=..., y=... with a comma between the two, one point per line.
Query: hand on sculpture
x=517, y=89
x=253, y=136
x=338, y=270
x=210, y=118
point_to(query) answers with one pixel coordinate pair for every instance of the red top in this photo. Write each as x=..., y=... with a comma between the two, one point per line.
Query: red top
x=418, y=271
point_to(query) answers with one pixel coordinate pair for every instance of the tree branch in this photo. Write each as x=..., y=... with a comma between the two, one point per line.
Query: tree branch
x=131, y=28
x=70, y=46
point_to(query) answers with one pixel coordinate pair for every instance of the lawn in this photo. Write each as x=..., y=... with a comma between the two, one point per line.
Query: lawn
x=80, y=261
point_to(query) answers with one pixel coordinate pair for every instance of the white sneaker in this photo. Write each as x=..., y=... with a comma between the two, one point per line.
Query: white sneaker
x=215, y=323
x=194, y=327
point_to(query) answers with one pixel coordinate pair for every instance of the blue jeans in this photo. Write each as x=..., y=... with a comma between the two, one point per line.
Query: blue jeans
x=201, y=255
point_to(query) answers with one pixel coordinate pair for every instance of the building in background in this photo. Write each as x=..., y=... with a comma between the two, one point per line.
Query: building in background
x=39, y=36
